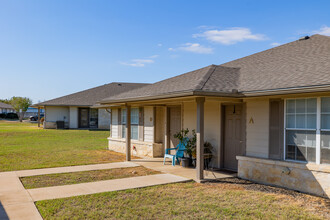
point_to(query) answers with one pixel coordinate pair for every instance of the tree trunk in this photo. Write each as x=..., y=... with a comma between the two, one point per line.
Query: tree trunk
x=21, y=116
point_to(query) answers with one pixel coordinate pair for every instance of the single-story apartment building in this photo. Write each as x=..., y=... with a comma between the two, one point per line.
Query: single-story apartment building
x=267, y=116
x=76, y=111
x=6, y=108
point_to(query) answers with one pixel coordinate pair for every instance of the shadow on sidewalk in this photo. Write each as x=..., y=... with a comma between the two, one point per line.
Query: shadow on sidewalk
x=3, y=214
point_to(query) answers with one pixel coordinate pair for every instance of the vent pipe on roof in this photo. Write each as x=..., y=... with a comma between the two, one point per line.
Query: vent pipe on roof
x=304, y=38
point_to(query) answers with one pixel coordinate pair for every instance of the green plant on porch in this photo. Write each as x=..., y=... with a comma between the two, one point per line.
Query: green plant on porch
x=191, y=144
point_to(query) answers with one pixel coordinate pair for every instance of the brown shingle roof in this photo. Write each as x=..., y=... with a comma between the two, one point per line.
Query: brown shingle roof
x=90, y=96
x=296, y=64
x=4, y=105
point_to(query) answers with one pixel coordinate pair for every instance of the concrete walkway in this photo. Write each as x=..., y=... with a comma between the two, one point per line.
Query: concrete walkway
x=56, y=192
x=189, y=173
x=102, y=166
x=18, y=203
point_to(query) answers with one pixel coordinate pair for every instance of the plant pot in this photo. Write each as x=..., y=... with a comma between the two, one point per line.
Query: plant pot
x=193, y=162
x=185, y=162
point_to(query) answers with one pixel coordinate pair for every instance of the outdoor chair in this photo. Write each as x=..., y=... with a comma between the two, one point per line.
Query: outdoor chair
x=180, y=149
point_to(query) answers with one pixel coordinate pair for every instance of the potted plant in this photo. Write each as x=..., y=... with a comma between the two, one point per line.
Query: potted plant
x=182, y=136
x=208, y=149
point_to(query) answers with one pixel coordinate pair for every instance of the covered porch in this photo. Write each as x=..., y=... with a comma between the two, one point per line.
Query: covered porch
x=145, y=129
x=190, y=173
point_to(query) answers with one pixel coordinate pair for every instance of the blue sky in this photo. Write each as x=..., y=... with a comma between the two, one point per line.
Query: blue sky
x=53, y=48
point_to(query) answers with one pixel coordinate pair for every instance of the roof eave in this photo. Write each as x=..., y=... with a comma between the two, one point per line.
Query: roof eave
x=284, y=91
x=62, y=105
x=172, y=95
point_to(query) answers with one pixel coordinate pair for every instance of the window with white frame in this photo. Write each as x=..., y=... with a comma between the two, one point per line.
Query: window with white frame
x=301, y=128
x=325, y=130
x=307, y=130
x=134, y=123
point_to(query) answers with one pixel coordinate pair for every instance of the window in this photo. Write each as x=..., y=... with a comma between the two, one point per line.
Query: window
x=301, y=129
x=325, y=130
x=93, y=118
x=134, y=123
x=308, y=130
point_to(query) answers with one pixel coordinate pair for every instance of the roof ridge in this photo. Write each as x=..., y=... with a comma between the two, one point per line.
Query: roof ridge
x=272, y=48
x=206, y=77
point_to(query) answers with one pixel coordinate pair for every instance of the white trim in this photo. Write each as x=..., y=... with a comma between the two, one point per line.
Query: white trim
x=300, y=129
x=318, y=131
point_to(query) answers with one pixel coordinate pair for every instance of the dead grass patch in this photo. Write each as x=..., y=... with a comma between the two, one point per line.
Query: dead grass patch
x=84, y=176
x=185, y=201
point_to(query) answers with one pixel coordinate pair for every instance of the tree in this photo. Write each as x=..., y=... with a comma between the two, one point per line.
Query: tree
x=20, y=104
x=7, y=101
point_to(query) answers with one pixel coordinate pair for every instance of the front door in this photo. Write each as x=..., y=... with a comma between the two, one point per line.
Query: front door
x=175, y=124
x=233, y=138
x=83, y=118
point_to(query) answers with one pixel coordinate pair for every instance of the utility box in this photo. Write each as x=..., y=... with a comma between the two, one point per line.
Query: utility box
x=59, y=124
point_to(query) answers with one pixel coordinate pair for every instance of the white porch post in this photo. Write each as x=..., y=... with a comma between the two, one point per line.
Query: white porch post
x=200, y=139
x=128, y=132
x=38, y=116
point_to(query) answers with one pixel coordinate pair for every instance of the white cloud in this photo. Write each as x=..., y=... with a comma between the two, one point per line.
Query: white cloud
x=153, y=56
x=275, y=44
x=325, y=30
x=230, y=36
x=194, y=48
x=159, y=45
x=138, y=62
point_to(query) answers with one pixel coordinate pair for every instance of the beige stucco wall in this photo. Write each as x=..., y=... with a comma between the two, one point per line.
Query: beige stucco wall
x=212, y=124
x=257, y=132
x=309, y=178
x=56, y=113
x=189, y=112
x=148, y=124
x=73, y=117
x=103, y=119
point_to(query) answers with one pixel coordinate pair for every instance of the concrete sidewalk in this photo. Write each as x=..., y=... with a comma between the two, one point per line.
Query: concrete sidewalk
x=69, y=169
x=18, y=203
x=56, y=192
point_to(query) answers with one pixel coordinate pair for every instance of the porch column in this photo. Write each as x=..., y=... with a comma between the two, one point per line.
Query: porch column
x=38, y=116
x=128, y=132
x=200, y=139
x=167, y=128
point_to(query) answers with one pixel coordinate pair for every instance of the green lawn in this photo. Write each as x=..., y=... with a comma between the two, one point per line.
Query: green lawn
x=25, y=146
x=84, y=176
x=184, y=201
